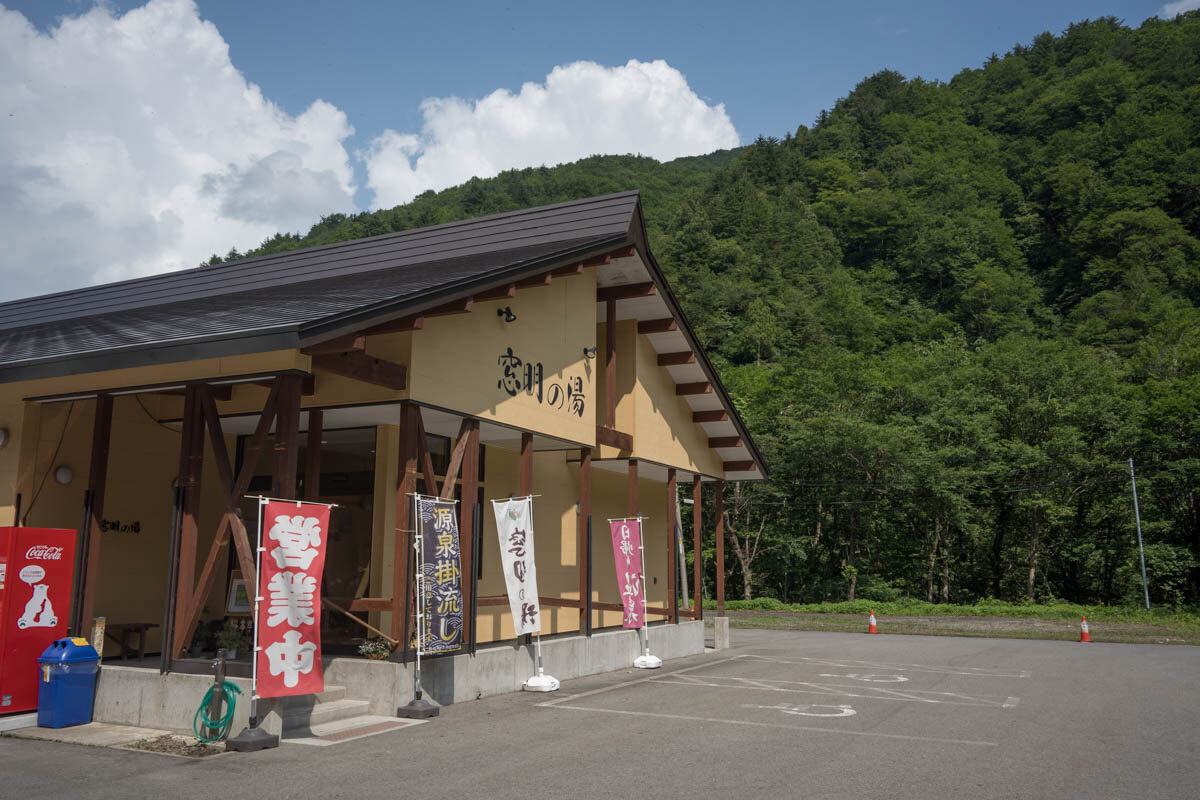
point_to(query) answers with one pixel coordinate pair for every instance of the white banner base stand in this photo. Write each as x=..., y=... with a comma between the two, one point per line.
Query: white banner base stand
x=541, y=682
x=647, y=661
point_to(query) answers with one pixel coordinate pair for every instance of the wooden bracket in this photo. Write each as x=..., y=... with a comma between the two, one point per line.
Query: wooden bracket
x=365, y=368
x=614, y=438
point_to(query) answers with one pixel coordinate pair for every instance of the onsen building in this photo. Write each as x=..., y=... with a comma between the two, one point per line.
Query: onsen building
x=538, y=352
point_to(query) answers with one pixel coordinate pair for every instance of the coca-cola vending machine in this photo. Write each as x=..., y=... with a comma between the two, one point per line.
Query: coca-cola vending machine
x=36, y=568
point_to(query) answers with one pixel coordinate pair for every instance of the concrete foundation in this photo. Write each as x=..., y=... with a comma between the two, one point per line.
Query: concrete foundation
x=720, y=633
x=143, y=697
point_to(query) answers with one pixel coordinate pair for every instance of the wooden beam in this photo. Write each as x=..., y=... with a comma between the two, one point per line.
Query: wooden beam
x=500, y=293
x=710, y=416
x=724, y=441
x=402, y=544
x=672, y=550
x=719, y=513
x=738, y=466
x=456, y=460
x=675, y=359
x=526, y=464
x=97, y=481
x=617, y=439
x=426, y=459
x=191, y=462
x=624, y=252
x=627, y=291
x=287, y=438
x=371, y=604
x=598, y=261
x=308, y=385
x=567, y=271
x=657, y=326
x=701, y=387
x=610, y=364
x=312, y=455
x=466, y=524
x=536, y=280
x=697, y=549
x=365, y=368
x=414, y=322
x=340, y=344
x=585, y=511
x=631, y=489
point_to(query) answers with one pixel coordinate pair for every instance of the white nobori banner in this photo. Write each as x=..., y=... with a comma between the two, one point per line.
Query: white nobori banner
x=514, y=524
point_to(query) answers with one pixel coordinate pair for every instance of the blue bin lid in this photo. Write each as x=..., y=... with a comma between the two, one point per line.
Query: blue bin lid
x=69, y=651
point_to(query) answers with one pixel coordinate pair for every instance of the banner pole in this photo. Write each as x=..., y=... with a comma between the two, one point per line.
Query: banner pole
x=540, y=682
x=253, y=737
x=418, y=707
x=645, y=660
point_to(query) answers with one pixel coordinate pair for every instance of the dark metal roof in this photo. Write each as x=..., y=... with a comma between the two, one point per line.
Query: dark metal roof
x=229, y=308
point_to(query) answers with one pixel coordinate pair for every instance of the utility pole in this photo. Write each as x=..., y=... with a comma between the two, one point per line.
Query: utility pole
x=1141, y=549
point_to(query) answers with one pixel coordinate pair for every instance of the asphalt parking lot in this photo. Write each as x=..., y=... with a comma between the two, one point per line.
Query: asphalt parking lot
x=787, y=714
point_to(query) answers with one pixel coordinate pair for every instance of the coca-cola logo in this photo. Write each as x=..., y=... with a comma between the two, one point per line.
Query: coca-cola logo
x=44, y=552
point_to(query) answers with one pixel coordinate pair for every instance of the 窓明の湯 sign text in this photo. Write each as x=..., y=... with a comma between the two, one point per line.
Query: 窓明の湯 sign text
x=518, y=375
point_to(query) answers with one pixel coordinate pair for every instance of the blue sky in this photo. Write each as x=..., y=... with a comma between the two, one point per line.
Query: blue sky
x=153, y=94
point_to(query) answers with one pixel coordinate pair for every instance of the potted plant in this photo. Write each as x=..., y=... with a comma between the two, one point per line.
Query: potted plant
x=199, y=639
x=230, y=639
x=377, y=649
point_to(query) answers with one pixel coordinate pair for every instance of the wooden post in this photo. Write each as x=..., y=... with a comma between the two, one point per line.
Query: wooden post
x=287, y=437
x=610, y=364
x=191, y=465
x=631, y=489
x=466, y=523
x=312, y=455
x=719, y=511
x=406, y=485
x=97, y=479
x=697, y=550
x=672, y=551
x=585, y=511
x=526, y=464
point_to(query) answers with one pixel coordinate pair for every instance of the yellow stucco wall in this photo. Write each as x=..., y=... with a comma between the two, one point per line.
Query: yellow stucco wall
x=455, y=358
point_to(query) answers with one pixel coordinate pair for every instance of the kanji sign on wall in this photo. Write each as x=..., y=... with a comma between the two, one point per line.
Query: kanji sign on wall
x=627, y=555
x=441, y=581
x=289, y=583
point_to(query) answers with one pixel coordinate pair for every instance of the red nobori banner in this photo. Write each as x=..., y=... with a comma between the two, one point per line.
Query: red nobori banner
x=627, y=554
x=289, y=614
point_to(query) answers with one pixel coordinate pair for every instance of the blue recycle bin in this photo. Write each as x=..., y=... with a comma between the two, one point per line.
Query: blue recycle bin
x=67, y=683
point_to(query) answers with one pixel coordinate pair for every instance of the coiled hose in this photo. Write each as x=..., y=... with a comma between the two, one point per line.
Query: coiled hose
x=202, y=721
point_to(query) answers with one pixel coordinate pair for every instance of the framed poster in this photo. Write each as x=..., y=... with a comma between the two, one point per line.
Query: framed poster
x=238, y=602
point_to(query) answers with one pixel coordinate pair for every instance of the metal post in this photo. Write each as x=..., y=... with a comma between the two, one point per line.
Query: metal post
x=418, y=707
x=1141, y=549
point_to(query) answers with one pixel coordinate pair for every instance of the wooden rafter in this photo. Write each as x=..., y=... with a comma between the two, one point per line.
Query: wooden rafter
x=710, y=416
x=536, y=280
x=738, y=466
x=628, y=291
x=724, y=441
x=676, y=359
x=339, y=344
x=657, y=326
x=567, y=271
x=414, y=322
x=362, y=367
x=499, y=293
x=700, y=387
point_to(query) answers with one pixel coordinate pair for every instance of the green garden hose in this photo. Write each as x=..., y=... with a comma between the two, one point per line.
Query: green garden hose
x=202, y=722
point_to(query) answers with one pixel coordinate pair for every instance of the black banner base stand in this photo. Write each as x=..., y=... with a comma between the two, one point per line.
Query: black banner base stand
x=251, y=740
x=418, y=708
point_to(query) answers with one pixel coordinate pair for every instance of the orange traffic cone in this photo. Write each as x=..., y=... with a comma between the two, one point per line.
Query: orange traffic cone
x=871, y=625
x=1084, y=636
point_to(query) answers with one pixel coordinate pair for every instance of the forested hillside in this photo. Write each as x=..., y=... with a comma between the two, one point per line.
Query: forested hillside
x=950, y=313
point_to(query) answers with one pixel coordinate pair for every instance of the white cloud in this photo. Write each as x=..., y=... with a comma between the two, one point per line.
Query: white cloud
x=582, y=109
x=131, y=145
x=1172, y=10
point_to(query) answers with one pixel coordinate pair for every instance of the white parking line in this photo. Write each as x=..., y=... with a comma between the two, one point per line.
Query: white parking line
x=838, y=690
x=717, y=721
x=854, y=664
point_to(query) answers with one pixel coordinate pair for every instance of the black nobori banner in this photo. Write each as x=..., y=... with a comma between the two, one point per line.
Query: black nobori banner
x=441, y=575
